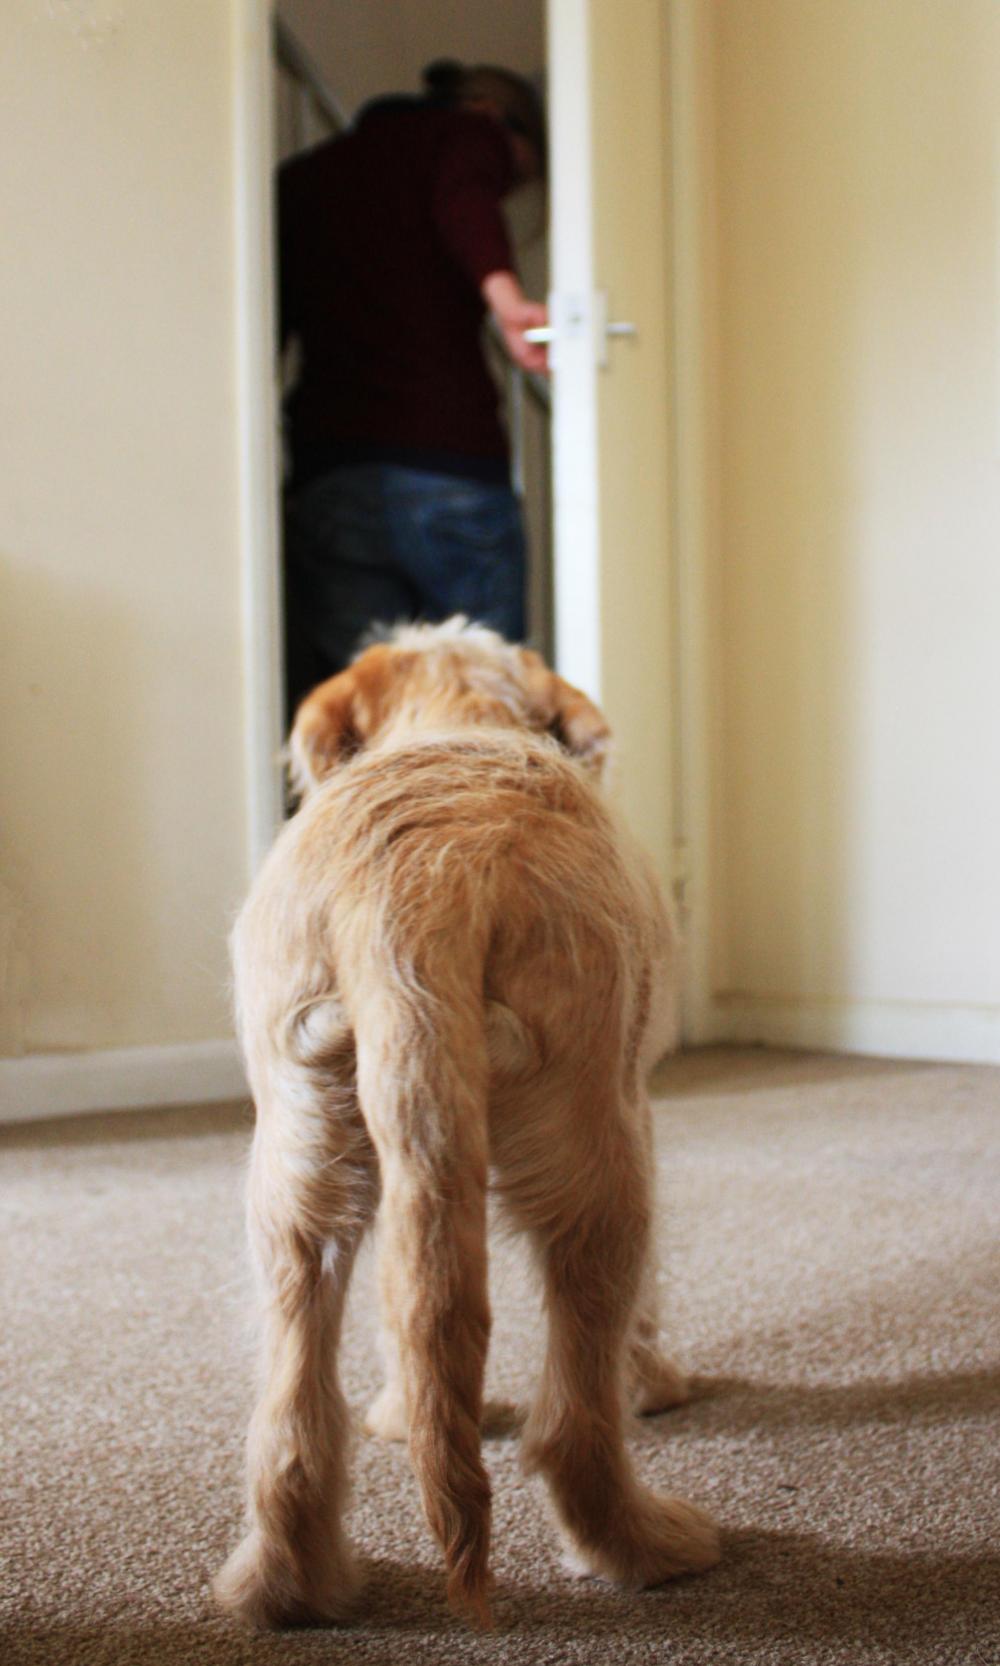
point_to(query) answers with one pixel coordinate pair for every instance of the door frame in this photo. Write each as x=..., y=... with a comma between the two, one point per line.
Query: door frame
x=257, y=418
x=675, y=682
x=696, y=650
x=575, y=473
x=682, y=676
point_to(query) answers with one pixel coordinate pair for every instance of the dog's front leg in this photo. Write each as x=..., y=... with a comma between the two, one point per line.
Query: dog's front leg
x=386, y=1416
x=654, y=1383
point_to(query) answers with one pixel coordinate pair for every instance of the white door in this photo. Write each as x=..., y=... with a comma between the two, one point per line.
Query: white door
x=608, y=72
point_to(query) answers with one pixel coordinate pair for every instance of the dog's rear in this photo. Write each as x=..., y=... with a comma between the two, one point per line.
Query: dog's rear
x=447, y=962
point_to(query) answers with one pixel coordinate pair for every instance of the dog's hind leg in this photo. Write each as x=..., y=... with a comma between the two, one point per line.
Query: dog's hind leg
x=592, y=1237
x=312, y=1191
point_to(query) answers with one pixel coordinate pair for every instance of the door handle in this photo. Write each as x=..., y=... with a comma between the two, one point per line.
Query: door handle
x=576, y=316
x=544, y=333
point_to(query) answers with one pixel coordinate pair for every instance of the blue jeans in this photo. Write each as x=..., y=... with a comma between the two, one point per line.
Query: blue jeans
x=375, y=543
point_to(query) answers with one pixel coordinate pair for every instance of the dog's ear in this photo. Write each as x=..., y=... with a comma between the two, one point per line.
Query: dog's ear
x=578, y=725
x=341, y=715
x=325, y=731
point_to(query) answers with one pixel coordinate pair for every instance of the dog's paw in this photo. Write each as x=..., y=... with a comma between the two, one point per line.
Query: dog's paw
x=664, y=1538
x=657, y=1386
x=386, y=1416
x=256, y=1587
x=501, y=1419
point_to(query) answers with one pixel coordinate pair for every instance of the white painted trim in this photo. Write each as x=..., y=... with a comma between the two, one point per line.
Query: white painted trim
x=883, y=1029
x=257, y=422
x=575, y=503
x=694, y=496
x=126, y=1078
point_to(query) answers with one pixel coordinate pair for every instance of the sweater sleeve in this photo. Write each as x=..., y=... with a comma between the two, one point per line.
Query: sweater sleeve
x=472, y=176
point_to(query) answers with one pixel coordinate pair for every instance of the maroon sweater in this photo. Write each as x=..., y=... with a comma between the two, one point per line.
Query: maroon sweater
x=386, y=234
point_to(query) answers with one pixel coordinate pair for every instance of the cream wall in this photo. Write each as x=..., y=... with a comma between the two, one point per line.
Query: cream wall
x=123, y=838
x=856, y=471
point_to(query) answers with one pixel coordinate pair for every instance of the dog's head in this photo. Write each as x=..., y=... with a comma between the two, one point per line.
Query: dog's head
x=439, y=678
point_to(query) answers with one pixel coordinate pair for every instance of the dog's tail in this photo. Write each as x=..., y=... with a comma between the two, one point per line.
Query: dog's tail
x=422, y=1083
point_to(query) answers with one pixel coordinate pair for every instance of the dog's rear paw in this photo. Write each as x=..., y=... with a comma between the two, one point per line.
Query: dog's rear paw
x=258, y=1589
x=666, y=1537
x=386, y=1416
x=683, y=1539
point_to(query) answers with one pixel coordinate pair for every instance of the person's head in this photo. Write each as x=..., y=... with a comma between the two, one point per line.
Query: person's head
x=508, y=98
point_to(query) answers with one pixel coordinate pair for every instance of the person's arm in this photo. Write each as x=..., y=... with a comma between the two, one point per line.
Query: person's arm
x=515, y=313
x=474, y=172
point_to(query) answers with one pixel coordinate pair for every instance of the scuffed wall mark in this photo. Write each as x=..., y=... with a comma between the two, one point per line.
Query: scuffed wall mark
x=94, y=23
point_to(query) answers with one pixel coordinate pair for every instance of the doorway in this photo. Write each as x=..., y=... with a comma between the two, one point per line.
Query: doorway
x=613, y=626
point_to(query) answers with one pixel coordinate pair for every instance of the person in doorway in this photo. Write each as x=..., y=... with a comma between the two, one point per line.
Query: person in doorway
x=393, y=248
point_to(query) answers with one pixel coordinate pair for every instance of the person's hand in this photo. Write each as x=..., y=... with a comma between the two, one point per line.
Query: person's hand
x=514, y=314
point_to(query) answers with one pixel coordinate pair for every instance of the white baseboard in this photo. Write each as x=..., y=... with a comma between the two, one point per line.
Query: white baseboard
x=205, y=1072
x=126, y=1078
x=882, y=1029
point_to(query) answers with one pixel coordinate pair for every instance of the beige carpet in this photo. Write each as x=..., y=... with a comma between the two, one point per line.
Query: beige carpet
x=829, y=1231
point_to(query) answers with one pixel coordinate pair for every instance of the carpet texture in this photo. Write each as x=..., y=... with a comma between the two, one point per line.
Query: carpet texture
x=829, y=1234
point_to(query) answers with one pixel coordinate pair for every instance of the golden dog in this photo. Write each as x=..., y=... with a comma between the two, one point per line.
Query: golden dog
x=453, y=961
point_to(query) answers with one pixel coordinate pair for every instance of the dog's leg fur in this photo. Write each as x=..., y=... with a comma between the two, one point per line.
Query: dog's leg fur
x=422, y=1082
x=593, y=1244
x=654, y=1382
x=312, y=1191
x=386, y=1416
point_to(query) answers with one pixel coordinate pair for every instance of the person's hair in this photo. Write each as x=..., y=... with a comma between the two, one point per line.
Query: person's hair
x=515, y=99
x=443, y=80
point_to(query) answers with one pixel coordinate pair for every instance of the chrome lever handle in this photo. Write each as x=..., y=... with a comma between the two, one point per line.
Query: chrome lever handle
x=544, y=333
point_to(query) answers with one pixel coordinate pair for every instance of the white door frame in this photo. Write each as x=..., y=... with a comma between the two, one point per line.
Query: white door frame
x=681, y=686
x=257, y=425
x=695, y=494
x=576, y=505
x=575, y=474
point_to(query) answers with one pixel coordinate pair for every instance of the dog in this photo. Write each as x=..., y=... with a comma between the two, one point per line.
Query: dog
x=453, y=971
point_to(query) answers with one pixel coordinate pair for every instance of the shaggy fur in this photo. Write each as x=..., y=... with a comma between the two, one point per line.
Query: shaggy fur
x=453, y=970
